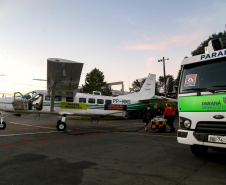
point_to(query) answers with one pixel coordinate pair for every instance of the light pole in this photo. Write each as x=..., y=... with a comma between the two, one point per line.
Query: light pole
x=164, y=72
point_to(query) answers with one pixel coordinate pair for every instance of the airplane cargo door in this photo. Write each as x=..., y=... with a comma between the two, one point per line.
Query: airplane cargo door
x=37, y=101
x=20, y=103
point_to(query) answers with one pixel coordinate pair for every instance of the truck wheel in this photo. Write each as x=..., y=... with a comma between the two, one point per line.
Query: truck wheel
x=199, y=150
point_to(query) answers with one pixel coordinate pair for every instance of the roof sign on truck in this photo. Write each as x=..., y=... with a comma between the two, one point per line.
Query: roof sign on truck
x=213, y=55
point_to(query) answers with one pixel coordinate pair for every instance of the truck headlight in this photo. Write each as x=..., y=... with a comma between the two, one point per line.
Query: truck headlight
x=185, y=123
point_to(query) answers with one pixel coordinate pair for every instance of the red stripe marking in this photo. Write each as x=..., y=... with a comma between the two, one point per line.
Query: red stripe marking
x=49, y=139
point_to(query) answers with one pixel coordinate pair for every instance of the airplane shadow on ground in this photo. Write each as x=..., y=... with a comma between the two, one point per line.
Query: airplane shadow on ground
x=39, y=169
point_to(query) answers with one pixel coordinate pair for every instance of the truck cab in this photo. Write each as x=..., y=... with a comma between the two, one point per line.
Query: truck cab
x=202, y=99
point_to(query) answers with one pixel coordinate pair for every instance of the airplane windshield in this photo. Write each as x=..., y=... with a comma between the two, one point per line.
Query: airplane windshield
x=30, y=95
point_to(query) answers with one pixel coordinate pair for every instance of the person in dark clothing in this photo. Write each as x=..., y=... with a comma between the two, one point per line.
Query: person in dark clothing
x=159, y=112
x=169, y=113
x=146, y=117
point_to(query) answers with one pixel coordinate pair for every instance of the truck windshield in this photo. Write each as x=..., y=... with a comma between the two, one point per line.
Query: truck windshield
x=204, y=76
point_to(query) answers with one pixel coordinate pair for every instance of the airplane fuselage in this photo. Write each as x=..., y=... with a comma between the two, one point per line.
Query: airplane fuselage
x=81, y=104
x=93, y=105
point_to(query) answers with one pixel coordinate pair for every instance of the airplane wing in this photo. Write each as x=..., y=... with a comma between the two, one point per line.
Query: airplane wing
x=157, y=99
x=63, y=75
x=63, y=78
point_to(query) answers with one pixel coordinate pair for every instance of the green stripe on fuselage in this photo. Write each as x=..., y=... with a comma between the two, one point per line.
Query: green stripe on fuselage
x=48, y=104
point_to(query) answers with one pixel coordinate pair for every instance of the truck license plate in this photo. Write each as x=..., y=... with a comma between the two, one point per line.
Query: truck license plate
x=217, y=139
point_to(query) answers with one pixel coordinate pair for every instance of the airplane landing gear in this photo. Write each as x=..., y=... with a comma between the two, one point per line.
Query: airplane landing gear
x=61, y=125
x=2, y=123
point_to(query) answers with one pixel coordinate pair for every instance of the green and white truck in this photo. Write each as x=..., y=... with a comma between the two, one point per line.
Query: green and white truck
x=202, y=99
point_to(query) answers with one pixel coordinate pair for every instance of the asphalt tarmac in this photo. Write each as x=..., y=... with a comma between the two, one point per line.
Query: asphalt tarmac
x=108, y=153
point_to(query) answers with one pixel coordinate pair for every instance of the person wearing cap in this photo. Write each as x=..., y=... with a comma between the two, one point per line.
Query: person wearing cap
x=146, y=117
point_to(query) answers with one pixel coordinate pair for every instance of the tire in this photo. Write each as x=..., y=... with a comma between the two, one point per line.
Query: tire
x=2, y=126
x=61, y=126
x=199, y=150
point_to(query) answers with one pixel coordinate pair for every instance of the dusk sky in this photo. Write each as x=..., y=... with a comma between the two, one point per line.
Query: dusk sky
x=122, y=38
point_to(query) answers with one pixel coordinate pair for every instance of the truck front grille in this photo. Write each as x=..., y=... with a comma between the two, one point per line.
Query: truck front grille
x=211, y=126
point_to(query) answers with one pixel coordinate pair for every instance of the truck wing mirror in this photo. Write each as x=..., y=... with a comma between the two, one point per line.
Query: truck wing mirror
x=169, y=84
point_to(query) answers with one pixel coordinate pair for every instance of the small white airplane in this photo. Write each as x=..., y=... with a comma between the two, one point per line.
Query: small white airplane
x=62, y=81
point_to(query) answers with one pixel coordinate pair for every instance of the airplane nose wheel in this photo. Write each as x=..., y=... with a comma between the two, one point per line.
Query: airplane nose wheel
x=61, y=126
x=2, y=125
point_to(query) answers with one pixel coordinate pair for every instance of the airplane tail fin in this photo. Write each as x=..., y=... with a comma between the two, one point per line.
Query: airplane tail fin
x=147, y=91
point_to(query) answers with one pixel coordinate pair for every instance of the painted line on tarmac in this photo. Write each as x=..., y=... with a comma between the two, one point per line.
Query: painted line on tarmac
x=127, y=124
x=93, y=129
x=54, y=139
x=134, y=133
x=31, y=125
x=23, y=134
x=146, y=134
x=129, y=127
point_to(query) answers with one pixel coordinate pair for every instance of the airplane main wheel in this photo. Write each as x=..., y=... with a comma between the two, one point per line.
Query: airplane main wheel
x=61, y=126
x=2, y=126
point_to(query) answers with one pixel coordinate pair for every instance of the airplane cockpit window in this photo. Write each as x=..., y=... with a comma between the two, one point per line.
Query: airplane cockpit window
x=30, y=95
x=18, y=96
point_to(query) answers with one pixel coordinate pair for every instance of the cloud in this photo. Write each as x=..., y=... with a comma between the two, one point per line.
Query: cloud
x=152, y=66
x=173, y=42
x=150, y=61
